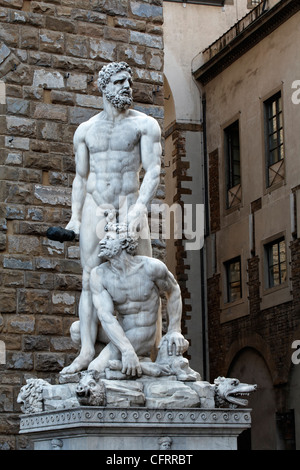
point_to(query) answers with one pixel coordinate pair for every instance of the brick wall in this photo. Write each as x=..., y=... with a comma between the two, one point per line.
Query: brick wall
x=181, y=166
x=50, y=54
x=269, y=331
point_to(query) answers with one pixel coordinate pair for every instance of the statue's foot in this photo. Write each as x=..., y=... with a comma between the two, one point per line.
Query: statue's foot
x=80, y=363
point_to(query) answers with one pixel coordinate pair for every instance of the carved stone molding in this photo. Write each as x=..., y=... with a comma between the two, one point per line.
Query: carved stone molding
x=111, y=417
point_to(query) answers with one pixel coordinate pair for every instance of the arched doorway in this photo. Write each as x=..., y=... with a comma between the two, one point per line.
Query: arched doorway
x=250, y=367
x=293, y=404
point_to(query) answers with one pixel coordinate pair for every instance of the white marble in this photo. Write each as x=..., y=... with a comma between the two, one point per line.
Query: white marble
x=110, y=150
x=136, y=428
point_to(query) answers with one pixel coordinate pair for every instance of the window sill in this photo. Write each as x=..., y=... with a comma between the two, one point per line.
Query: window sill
x=234, y=310
x=274, y=186
x=276, y=296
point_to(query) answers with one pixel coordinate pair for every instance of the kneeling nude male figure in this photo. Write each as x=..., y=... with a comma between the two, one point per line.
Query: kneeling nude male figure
x=110, y=149
x=126, y=293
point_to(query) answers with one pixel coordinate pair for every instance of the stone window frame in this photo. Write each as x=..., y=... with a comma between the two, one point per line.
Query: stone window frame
x=229, y=282
x=236, y=190
x=239, y=307
x=265, y=244
x=281, y=293
x=270, y=280
x=279, y=166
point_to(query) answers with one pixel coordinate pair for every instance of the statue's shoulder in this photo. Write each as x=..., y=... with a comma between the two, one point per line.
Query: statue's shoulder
x=99, y=272
x=145, y=122
x=153, y=266
x=83, y=128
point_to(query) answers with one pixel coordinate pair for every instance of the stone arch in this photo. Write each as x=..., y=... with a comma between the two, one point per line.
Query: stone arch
x=249, y=366
x=256, y=342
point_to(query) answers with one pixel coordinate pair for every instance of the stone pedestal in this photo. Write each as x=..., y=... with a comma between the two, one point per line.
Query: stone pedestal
x=105, y=428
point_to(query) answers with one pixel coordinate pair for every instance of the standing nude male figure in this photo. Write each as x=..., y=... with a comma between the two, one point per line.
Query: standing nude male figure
x=110, y=150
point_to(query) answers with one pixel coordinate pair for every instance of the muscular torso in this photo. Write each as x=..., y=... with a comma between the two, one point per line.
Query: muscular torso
x=114, y=159
x=135, y=297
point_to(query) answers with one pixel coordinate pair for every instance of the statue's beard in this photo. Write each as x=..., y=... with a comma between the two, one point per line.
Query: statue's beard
x=122, y=100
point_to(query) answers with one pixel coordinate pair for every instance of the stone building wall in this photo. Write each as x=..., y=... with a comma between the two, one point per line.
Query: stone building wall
x=50, y=54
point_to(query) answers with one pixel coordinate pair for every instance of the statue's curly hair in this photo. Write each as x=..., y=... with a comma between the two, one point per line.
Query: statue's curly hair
x=110, y=69
x=130, y=245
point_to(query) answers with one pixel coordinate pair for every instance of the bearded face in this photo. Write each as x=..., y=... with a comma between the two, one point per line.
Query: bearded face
x=121, y=100
x=109, y=248
x=118, y=91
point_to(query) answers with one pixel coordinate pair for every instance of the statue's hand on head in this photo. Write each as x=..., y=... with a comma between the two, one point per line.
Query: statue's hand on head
x=176, y=343
x=136, y=218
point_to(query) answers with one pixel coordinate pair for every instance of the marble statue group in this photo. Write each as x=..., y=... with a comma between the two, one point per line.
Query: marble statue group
x=123, y=357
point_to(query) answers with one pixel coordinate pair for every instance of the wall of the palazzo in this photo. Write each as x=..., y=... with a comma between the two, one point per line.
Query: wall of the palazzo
x=50, y=54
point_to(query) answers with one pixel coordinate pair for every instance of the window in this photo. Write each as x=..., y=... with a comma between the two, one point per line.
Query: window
x=274, y=140
x=232, y=164
x=275, y=262
x=233, y=279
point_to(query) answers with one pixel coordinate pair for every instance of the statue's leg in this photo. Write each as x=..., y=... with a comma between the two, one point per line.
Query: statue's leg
x=101, y=362
x=89, y=249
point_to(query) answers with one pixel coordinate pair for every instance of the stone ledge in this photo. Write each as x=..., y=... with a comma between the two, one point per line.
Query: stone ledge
x=91, y=417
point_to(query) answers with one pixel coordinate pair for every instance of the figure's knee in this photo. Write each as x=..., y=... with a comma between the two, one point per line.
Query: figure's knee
x=75, y=332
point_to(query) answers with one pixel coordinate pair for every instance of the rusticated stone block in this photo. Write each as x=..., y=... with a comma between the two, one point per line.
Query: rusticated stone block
x=17, y=142
x=52, y=41
x=23, y=244
x=59, y=97
x=79, y=114
x=113, y=34
x=42, y=161
x=67, y=282
x=48, y=79
x=143, y=39
x=19, y=360
x=17, y=106
x=9, y=34
x=16, y=193
x=59, y=24
x=103, y=50
x=3, y=240
x=34, y=301
x=37, y=280
x=21, y=126
x=50, y=111
x=146, y=10
x=4, y=52
x=29, y=38
x=43, y=8
x=21, y=324
x=111, y=7
x=52, y=195
x=77, y=46
x=132, y=54
x=49, y=130
x=8, y=302
x=77, y=82
x=63, y=302
x=14, y=262
x=36, y=343
x=49, y=325
x=49, y=362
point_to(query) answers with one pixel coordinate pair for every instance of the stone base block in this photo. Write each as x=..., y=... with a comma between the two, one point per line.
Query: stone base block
x=104, y=428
